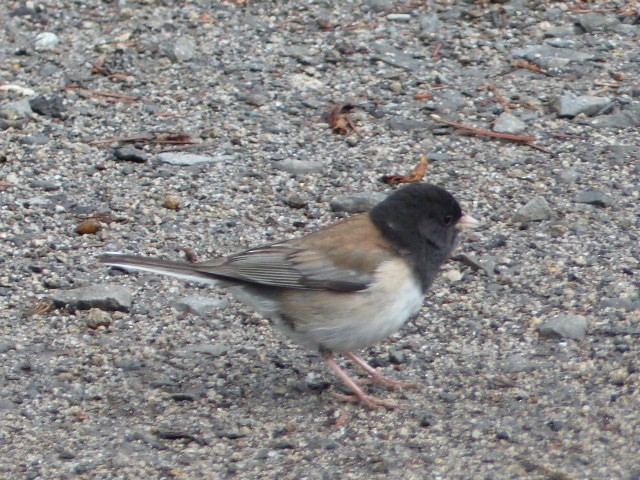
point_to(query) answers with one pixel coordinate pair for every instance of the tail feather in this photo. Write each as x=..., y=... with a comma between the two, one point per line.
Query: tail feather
x=153, y=265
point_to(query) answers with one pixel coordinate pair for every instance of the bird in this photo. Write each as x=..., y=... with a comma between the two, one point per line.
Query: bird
x=343, y=287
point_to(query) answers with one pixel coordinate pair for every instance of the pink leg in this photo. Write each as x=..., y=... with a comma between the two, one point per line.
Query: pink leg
x=358, y=394
x=376, y=377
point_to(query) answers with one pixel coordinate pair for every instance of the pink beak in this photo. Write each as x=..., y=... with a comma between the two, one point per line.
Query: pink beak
x=466, y=221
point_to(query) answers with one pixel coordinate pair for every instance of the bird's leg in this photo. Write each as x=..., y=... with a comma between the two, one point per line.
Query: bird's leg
x=358, y=394
x=377, y=377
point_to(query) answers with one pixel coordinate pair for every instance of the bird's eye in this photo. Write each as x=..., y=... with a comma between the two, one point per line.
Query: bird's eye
x=447, y=219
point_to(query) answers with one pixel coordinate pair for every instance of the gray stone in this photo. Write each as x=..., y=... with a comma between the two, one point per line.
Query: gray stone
x=46, y=41
x=51, y=106
x=547, y=57
x=536, y=209
x=450, y=101
x=199, y=305
x=255, y=99
x=629, y=117
x=380, y=5
x=97, y=318
x=130, y=153
x=358, y=203
x=105, y=297
x=568, y=176
x=570, y=105
x=406, y=124
x=399, y=17
x=35, y=139
x=508, y=123
x=430, y=23
x=564, y=326
x=17, y=109
x=182, y=50
x=518, y=363
x=188, y=159
x=596, y=22
x=298, y=167
x=394, y=57
x=594, y=197
x=48, y=70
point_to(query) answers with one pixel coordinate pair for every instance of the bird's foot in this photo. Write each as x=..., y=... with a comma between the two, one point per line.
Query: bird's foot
x=378, y=378
x=367, y=400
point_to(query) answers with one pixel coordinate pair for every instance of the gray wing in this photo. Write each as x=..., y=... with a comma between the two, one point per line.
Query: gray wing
x=285, y=265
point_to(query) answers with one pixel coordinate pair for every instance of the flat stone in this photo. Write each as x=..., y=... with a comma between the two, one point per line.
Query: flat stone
x=545, y=56
x=570, y=105
x=358, y=203
x=537, y=209
x=508, y=123
x=189, y=159
x=629, y=117
x=298, y=167
x=105, y=297
x=199, y=305
x=406, y=124
x=564, y=326
x=596, y=22
x=17, y=109
x=394, y=57
x=46, y=41
x=594, y=197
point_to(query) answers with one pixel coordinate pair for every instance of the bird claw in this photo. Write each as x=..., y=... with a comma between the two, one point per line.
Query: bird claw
x=367, y=400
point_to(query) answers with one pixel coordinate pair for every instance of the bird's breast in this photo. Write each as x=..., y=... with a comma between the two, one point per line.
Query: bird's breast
x=347, y=321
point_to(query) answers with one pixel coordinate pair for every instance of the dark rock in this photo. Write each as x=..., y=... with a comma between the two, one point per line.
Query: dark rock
x=48, y=106
x=130, y=153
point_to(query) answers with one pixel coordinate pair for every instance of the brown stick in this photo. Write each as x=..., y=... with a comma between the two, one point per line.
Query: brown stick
x=486, y=133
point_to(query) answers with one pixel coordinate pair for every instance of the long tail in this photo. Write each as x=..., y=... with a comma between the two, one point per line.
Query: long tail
x=164, y=267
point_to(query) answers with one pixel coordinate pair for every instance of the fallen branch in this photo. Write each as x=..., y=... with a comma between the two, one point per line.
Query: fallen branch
x=524, y=139
x=485, y=133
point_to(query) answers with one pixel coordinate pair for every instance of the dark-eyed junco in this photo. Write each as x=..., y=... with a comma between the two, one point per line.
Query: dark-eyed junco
x=344, y=287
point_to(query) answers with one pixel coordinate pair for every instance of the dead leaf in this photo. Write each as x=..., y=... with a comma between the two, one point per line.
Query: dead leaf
x=416, y=175
x=338, y=118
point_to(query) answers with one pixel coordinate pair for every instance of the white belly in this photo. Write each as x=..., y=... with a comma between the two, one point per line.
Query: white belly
x=344, y=322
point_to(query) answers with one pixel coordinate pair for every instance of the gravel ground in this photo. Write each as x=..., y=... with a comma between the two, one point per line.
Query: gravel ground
x=527, y=348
